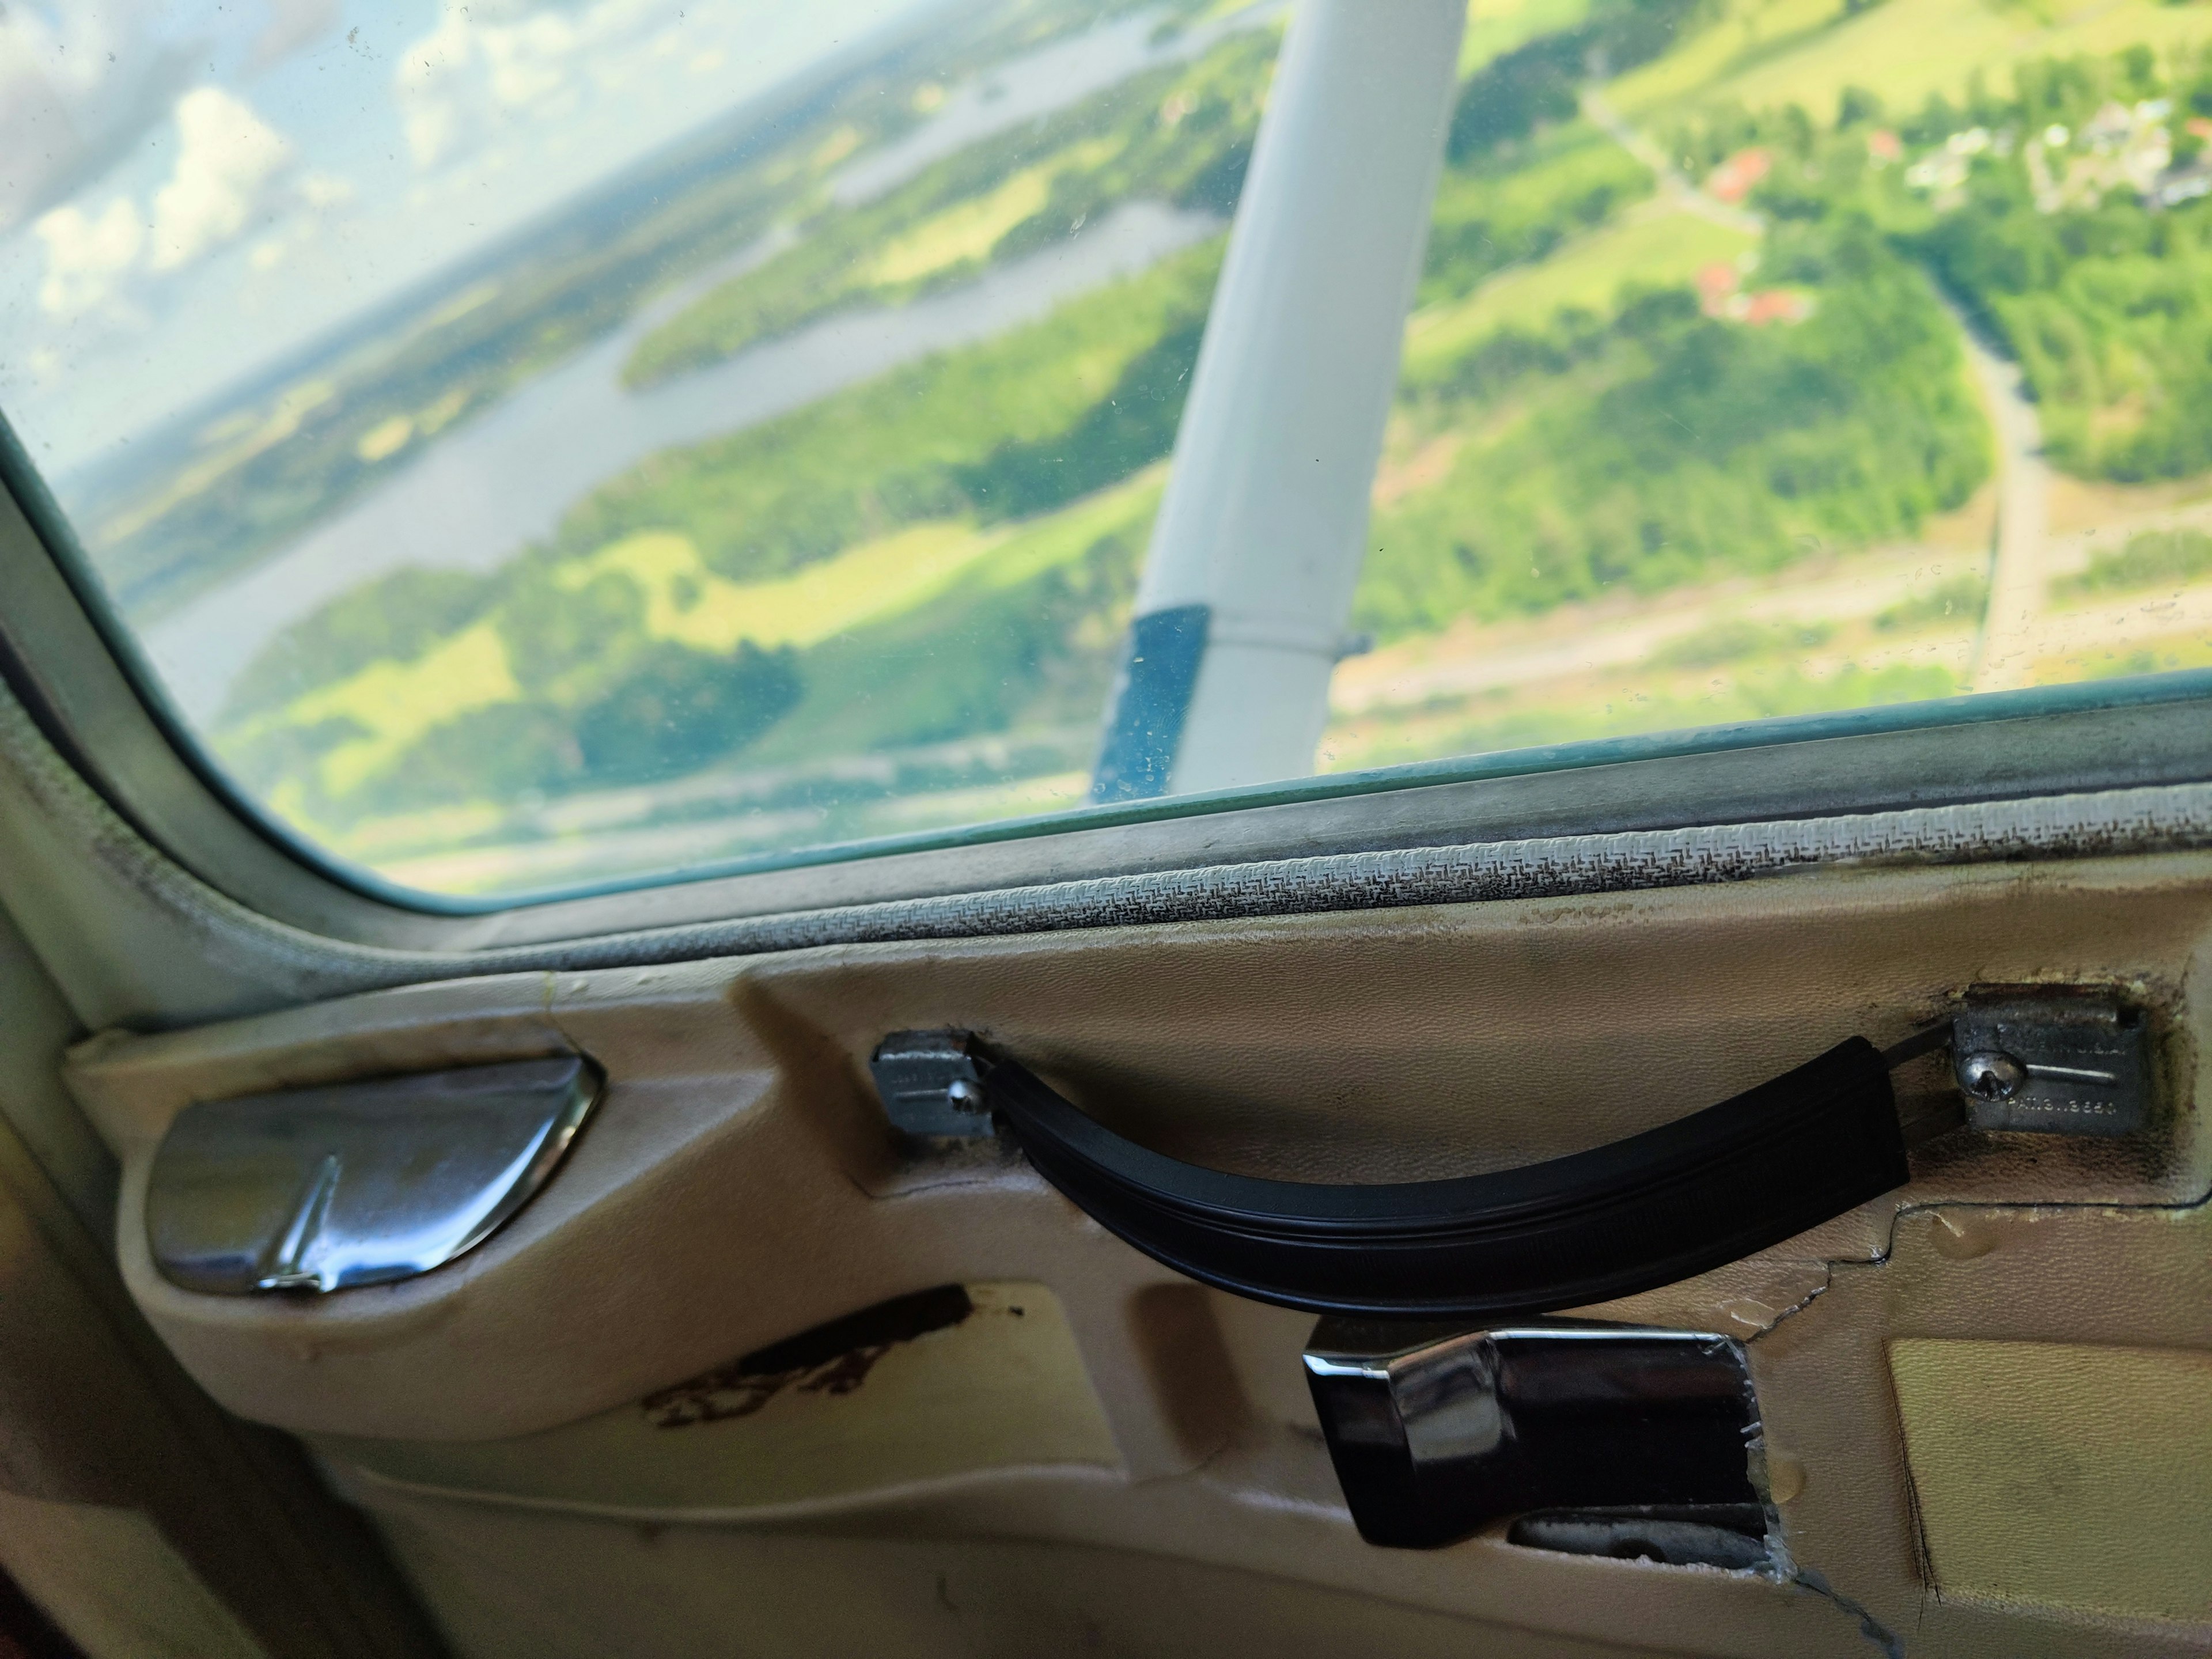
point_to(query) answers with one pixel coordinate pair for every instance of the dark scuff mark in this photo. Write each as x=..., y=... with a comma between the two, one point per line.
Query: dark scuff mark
x=831, y=1359
x=1870, y=1627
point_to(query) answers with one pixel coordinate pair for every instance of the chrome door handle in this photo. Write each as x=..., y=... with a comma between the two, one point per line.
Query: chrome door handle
x=357, y=1183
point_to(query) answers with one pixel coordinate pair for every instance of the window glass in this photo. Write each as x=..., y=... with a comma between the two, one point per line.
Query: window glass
x=541, y=443
x=1774, y=357
x=536, y=442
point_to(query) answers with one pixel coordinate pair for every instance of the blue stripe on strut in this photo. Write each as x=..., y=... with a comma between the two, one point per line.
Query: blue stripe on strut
x=1150, y=703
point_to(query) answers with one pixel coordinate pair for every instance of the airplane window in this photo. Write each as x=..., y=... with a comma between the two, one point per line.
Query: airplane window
x=1775, y=359
x=532, y=443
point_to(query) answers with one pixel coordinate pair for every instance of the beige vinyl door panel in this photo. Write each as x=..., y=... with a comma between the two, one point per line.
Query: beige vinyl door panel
x=1130, y=1465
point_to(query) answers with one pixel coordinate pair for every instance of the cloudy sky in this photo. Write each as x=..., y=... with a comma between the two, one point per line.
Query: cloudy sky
x=187, y=189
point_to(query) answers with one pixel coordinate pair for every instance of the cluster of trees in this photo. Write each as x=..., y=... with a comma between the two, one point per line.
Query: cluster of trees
x=1180, y=135
x=2105, y=302
x=2109, y=310
x=1014, y=425
x=601, y=700
x=397, y=618
x=1536, y=85
x=1661, y=446
x=1495, y=210
x=670, y=710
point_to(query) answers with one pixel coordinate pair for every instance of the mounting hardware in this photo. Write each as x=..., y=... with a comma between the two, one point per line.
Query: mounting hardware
x=1991, y=1074
x=930, y=1085
x=1438, y=1432
x=2055, y=1062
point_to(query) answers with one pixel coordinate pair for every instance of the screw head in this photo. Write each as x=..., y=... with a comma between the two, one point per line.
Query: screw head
x=965, y=1095
x=1991, y=1074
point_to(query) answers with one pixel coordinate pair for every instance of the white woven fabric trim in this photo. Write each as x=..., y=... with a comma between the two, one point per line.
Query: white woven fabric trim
x=2054, y=826
x=2108, y=821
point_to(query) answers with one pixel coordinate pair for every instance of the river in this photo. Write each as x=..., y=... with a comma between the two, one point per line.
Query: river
x=478, y=496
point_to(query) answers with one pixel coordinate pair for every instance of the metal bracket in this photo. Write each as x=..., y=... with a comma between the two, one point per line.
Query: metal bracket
x=1437, y=1433
x=930, y=1083
x=2052, y=1063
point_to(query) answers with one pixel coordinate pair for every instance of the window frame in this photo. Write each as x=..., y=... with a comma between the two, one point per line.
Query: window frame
x=73, y=666
x=78, y=668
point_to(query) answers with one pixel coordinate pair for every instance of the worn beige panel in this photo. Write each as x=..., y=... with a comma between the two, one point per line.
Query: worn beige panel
x=1004, y=1388
x=2061, y=1475
x=113, y=1584
x=1266, y=1505
x=520, y=1586
x=2084, y=1277
x=737, y=1183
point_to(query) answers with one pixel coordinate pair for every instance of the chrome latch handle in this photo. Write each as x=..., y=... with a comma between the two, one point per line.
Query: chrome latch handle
x=358, y=1184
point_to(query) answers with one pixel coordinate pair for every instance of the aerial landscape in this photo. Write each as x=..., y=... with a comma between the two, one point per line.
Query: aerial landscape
x=1770, y=356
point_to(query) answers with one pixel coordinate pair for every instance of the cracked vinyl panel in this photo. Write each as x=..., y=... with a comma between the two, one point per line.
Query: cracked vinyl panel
x=2029, y=1415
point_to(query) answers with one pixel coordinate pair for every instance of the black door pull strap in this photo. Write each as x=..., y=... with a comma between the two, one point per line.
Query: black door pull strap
x=1630, y=1216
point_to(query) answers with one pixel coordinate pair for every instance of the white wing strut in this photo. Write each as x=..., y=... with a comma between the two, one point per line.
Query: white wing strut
x=1248, y=585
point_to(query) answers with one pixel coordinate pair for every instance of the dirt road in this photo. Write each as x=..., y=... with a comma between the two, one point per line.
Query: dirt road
x=2020, y=573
